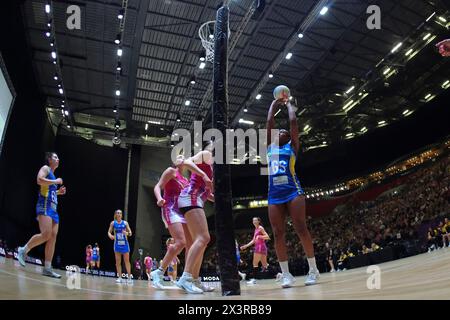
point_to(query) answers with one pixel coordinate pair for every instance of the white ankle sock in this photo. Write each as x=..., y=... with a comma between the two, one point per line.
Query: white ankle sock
x=284, y=267
x=48, y=264
x=312, y=264
x=186, y=275
x=25, y=249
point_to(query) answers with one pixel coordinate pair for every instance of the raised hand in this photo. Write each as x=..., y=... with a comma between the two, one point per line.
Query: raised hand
x=62, y=191
x=444, y=48
x=208, y=183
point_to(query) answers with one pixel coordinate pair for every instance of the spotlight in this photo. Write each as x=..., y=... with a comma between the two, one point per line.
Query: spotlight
x=121, y=14
x=116, y=140
x=119, y=66
x=48, y=34
x=117, y=41
x=324, y=11
x=119, y=52
x=117, y=92
x=178, y=118
x=270, y=75
x=117, y=124
x=47, y=7
x=53, y=54
x=192, y=81
x=55, y=77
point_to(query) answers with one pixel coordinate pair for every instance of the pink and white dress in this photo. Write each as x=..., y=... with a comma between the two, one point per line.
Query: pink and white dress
x=169, y=212
x=195, y=194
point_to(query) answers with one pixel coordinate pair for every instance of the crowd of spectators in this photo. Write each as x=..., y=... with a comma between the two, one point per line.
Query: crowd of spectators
x=394, y=218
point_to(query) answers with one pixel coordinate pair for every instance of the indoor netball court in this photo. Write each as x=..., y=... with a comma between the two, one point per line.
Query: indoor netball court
x=406, y=279
x=226, y=150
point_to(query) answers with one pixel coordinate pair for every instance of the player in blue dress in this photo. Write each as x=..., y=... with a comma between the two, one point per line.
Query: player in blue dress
x=47, y=215
x=286, y=196
x=118, y=231
x=96, y=256
x=239, y=261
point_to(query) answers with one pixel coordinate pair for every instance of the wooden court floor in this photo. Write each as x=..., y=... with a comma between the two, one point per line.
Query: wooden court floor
x=426, y=276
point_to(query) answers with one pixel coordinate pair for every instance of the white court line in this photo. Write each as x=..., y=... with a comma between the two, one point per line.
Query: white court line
x=84, y=289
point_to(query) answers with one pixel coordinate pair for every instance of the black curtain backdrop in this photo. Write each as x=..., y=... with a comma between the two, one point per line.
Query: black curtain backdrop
x=95, y=178
x=28, y=134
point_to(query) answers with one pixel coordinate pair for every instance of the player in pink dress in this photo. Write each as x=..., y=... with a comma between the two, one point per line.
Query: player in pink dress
x=260, y=237
x=191, y=202
x=148, y=266
x=88, y=258
x=173, y=182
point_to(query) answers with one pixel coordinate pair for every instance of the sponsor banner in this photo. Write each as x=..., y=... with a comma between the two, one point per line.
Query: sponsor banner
x=211, y=278
x=102, y=273
x=28, y=259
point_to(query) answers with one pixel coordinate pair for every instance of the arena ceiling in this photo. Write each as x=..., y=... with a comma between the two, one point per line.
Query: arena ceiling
x=346, y=79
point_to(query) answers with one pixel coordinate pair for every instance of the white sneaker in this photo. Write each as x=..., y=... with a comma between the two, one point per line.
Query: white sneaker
x=130, y=281
x=50, y=273
x=187, y=284
x=279, y=277
x=21, y=256
x=202, y=286
x=119, y=280
x=332, y=270
x=312, y=277
x=287, y=280
x=251, y=282
x=242, y=275
x=157, y=277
